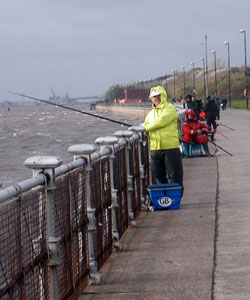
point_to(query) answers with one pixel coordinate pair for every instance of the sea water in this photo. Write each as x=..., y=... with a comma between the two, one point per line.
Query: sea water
x=48, y=130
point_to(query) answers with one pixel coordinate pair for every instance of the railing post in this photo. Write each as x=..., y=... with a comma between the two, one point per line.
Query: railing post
x=109, y=142
x=126, y=135
x=85, y=151
x=139, y=130
x=47, y=165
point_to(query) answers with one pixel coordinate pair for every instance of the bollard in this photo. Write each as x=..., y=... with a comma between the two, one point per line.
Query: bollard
x=85, y=151
x=139, y=130
x=47, y=165
x=126, y=135
x=109, y=142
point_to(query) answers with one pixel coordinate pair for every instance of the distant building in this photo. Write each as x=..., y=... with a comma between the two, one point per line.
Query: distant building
x=134, y=96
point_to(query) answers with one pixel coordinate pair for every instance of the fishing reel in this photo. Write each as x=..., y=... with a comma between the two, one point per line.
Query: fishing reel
x=210, y=135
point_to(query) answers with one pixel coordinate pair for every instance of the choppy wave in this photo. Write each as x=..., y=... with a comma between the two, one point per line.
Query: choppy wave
x=30, y=131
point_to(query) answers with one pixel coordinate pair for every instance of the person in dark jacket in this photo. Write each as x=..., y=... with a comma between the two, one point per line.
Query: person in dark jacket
x=189, y=102
x=197, y=107
x=223, y=102
x=217, y=101
x=211, y=111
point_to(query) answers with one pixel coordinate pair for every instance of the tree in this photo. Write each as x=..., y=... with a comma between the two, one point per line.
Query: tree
x=114, y=92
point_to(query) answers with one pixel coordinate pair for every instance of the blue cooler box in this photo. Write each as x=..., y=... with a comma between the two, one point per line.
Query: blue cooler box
x=165, y=196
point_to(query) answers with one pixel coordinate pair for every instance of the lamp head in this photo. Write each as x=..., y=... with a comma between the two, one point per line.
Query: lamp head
x=226, y=43
x=242, y=30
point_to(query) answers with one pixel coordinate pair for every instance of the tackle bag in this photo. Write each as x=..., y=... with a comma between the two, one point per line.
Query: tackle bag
x=164, y=196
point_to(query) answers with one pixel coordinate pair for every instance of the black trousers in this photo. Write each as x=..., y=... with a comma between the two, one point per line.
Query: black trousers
x=166, y=166
x=211, y=121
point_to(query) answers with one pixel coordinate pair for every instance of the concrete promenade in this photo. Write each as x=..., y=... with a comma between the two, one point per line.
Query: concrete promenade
x=201, y=251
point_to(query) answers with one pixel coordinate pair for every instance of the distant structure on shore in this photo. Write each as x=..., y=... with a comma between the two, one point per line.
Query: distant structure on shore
x=55, y=100
x=133, y=96
x=68, y=100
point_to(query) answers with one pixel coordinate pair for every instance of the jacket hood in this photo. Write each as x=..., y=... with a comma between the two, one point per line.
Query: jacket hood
x=162, y=91
x=190, y=111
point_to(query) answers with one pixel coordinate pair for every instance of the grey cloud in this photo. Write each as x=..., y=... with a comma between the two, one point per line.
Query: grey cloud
x=89, y=45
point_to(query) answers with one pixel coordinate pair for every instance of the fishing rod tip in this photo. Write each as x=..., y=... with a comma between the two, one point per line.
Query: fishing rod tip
x=14, y=93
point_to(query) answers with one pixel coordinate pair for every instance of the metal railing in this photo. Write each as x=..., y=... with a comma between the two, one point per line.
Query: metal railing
x=58, y=228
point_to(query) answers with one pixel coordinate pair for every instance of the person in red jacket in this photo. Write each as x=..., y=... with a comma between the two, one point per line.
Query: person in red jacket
x=194, y=132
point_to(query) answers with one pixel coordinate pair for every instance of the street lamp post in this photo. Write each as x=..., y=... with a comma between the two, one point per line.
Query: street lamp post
x=192, y=63
x=174, y=82
x=206, y=67
x=229, y=72
x=246, y=74
x=215, y=77
x=204, y=75
x=184, y=84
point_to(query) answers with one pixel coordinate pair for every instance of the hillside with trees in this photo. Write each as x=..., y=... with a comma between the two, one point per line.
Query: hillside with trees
x=175, y=84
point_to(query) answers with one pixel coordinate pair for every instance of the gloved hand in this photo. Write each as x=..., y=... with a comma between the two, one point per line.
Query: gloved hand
x=204, y=130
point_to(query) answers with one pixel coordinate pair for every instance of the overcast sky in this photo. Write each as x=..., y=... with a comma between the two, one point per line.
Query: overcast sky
x=89, y=45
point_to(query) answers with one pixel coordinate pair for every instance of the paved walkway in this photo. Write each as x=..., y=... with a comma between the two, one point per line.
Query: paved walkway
x=201, y=251
x=232, y=275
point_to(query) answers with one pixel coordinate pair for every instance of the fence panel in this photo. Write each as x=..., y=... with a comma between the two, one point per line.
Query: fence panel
x=24, y=264
x=134, y=167
x=101, y=201
x=70, y=215
x=145, y=163
x=121, y=185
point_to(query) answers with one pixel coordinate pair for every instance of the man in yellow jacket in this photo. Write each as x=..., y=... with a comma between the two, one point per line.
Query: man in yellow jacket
x=161, y=124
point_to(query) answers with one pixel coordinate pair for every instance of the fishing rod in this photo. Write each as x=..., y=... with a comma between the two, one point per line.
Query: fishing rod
x=217, y=131
x=70, y=108
x=226, y=126
x=222, y=134
x=221, y=148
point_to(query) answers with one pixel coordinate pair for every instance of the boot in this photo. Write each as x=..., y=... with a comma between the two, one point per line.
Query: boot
x=205, y=147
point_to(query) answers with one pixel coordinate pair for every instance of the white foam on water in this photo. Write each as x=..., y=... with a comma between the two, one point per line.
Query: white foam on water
x=43, y=134
x=44, y=118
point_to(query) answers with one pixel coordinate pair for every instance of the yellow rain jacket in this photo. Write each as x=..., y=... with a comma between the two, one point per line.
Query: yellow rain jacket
x=161, y=123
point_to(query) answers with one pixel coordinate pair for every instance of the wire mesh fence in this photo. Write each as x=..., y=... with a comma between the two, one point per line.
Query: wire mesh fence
x=101, y=201
x=70, y=223
x=26, y=260
x=134, y=169
x=24, y=256
x=121, y=185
